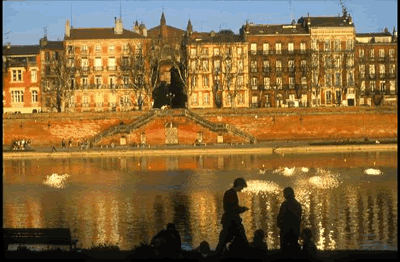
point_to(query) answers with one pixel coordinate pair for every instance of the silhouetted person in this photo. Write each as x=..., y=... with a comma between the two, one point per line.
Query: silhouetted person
x=289, y=218
x=232, y=226
x=309, y=249
x=63, y=143
x=168, y=242
x=259, y=247
x=53, y=149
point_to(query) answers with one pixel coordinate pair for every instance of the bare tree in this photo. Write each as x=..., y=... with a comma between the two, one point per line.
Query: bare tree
x=139, y=69
x=58, y=82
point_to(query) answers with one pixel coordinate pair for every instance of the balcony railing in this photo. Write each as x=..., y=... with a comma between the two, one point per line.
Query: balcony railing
x=98, y=68
x=112, y=68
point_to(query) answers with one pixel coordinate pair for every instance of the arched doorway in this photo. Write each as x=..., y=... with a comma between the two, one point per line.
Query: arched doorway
x=171, y=134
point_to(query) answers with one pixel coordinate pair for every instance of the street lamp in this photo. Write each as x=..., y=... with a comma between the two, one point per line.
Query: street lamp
x=170, y=96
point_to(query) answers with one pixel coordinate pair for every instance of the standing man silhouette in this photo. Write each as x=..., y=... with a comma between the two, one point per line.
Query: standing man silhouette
x=289, y=219
x=232, y=226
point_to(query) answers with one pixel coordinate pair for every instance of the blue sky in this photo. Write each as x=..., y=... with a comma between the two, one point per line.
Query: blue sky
x=24, y=20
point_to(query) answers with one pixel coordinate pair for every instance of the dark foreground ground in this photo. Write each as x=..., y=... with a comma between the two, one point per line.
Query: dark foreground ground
x=273, y=255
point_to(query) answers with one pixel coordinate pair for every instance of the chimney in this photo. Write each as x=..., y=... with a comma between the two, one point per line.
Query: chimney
x=118, y=26
x=143, y=30
x=67, y=29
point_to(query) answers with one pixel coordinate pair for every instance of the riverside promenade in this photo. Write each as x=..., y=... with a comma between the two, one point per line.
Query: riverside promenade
x=270, y=147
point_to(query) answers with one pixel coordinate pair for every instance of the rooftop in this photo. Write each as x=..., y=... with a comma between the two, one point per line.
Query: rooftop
x=277, y=29
x=100, y=33
x=21, y=50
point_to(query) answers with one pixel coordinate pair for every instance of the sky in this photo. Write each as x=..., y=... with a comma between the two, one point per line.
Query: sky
x=24, y=21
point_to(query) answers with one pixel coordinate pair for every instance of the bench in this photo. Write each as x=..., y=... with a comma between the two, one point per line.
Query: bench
x=35, y=236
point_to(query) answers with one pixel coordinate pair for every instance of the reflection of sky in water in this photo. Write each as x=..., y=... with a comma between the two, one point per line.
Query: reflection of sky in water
x=126, y=200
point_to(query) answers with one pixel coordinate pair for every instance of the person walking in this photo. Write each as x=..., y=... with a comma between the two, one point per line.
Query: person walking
x=63, y=143
x=289, y=219
x=232, y=226
x=70, y=142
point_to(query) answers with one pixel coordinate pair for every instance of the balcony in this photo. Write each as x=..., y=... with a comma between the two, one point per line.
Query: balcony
x=98, y=68
x=372, y=76
x=111, y=68
x=253, y=70
x=84, y=69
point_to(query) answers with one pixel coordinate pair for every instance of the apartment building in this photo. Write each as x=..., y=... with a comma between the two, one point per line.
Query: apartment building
x=103, y=60
x=376, y=71
x=21, y=79
x=218, y=70
x=278, y=64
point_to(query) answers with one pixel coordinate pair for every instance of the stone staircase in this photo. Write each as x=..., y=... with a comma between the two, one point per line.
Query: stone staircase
x=144, y=119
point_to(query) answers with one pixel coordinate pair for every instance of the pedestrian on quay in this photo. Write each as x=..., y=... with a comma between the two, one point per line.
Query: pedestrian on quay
x=63, y=143
x=70, y=142
x=53, y=150
x=232, y=227
x=289, y=219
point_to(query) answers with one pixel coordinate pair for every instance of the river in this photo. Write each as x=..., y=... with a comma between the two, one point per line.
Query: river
x=349, y=200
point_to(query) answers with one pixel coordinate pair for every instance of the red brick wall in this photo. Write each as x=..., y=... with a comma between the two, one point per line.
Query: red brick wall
x=285, y=127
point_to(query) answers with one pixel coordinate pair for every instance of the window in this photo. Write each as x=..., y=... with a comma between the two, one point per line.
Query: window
x=55, y=55
x=337, y=45
x=350, y=78
x=192, y=52
x=126, y=81
x=327, y=45
x=265, y=48
x=206, y=81
x=267, y=83
x=350, y=61
x=253, y=66
x=314, y=45
x=206, y=99
x=371, y=53
x=98, y=80
x=303, y=65
x=337, y=80
x=85, y=82
x=302, y=48
x=382, y=83
x=228, y=65
x=194, y=99
x=392, y=86
x=253, y=48
x=98, y=48
x=17, y=96
x=240, y=66
x=47, y=56
x=72, y=83
x=278, y=48
x=240, y=98
x=16, y=75
x=381, y=53
x=391, y=53
x=239, y=51
x=382, y=71
x=291, y=82
x=124, y=100
x=204, y=51
x=361, y=53
x=111, y=64
x=291, y=48
x=372, y=85
x=97, y=64
x=111, y=48
x=392, y=69
x=193, y=65
x=304, y=82
x=372, y=71
x=85, y=63
x=350, y=44
x=278, y=66
x=34, y=76
x=217, y=65
x=125, y=48
x=362, y=86
x=125, y=61
x=34, y=96
x=194, y=81
x=254, y=101
x=328, y=79
x=216, y=51
x=70, y=50
x=205, y=65
x=328, y=96
x=240, y=81
x=291, y=65
x=71, y=62
x=84, y=48
x=362, y=71
x=279, y=82
x=266, y=66
x=254, y=83
x=111, y=81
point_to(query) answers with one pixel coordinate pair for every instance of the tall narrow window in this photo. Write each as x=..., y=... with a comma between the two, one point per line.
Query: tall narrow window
x=206, y=81
x=267, y=83
x=291, y=48
x=278, y=48
x=253, y=48
x=85, y=82
x=361, y=53
x=278, y=66
x=265, y=48
x=34, y=96
x=253, y=66
x=266, y=66
x=302, y=48
x=34, y=76
x=111, y=48
x=254, y=83
x=279, y=82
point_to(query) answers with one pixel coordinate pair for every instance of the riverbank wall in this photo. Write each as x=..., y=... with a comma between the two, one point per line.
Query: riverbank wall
x=265, y=124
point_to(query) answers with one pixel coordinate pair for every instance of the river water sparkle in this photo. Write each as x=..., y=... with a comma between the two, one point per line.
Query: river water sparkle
x=349, y=200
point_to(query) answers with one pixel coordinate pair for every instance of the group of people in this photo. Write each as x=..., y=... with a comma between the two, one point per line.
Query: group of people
x=233, y=242
x=21, y=144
